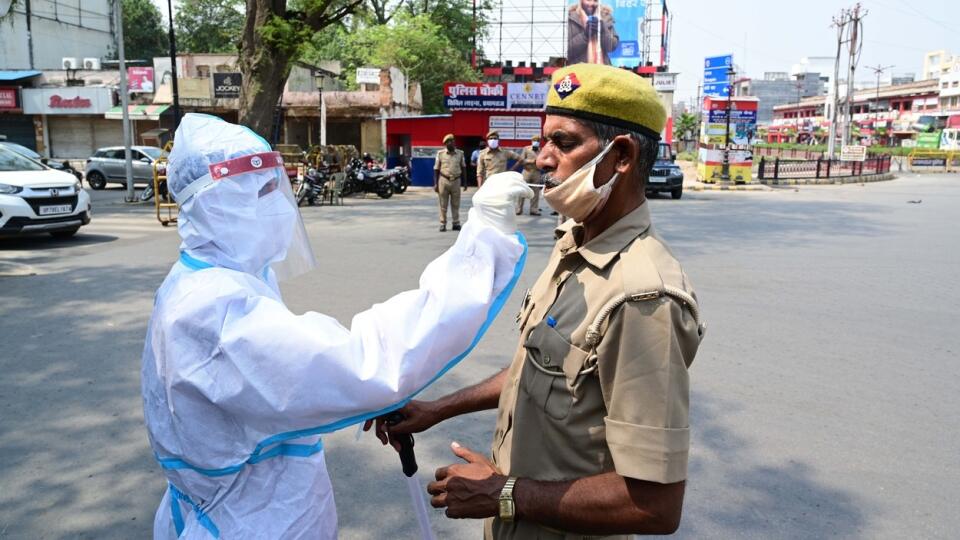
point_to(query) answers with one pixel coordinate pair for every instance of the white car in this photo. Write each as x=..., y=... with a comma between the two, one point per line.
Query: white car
x=35, y=198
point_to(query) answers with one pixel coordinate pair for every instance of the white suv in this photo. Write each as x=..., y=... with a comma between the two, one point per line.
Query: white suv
x=35, y=198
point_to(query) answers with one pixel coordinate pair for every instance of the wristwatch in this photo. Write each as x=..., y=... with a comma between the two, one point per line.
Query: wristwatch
x=507, y=508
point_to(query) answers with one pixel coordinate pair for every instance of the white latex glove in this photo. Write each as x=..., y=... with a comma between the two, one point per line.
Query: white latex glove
x=495, y=201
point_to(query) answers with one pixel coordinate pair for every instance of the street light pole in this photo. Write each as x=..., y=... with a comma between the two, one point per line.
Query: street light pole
x=173, y=67
x=725, y=168
x=877, y=70
x=124, y=103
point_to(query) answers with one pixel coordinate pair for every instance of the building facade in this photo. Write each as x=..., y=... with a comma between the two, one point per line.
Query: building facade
x=58, y=34
x=777, y=88
x=938, y=63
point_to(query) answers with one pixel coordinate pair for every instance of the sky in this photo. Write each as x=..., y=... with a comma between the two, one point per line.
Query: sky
x=763, y=35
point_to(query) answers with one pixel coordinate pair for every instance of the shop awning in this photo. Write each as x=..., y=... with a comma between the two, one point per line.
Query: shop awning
x=137, y=112
x=16, y=75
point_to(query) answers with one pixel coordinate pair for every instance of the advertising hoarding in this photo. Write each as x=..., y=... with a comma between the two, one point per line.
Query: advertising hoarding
x=527, y=95
x=227, y=85
x=140, y=80
x=605, y=33
x=68, y=100
x=8, y=98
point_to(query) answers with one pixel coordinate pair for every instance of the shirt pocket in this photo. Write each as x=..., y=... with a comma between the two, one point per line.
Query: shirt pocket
x=549, y=376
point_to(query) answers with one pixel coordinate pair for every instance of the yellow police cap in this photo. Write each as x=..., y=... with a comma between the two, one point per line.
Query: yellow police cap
x=609, y=95
x=492, y=133
x=448, y=137
x=535, y=138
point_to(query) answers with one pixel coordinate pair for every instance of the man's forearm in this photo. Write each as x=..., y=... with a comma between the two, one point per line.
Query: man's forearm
x=482, y=396
x=601, y=505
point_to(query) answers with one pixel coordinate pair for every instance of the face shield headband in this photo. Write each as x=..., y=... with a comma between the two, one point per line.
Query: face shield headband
x=232, y=167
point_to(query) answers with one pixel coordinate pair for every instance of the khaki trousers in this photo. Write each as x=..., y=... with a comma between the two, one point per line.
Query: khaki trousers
x=531, y=177
x=449, y=193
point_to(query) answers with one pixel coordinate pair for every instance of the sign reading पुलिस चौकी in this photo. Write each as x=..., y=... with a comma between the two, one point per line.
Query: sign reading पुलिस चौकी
x=475, y=95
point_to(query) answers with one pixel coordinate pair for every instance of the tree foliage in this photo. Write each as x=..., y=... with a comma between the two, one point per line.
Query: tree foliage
x=687, y=123
x=143, y=30
x=415, y=44
x=274, y=36
x=209, y=26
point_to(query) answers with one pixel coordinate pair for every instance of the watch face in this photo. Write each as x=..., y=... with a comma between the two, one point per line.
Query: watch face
x=506, y=509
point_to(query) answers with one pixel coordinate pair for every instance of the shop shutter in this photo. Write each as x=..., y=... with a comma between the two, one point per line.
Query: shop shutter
x=78, y=137
x=18, y=128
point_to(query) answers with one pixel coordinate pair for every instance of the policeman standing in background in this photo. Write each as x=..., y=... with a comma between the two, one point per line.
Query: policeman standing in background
x=494, y=159
x=592, y=433
x=531, y=174
x=448, y=174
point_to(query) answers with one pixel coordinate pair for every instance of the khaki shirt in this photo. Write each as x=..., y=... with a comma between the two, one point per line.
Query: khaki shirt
x=450, y=164
x=629, y=414
x=528, y=157
x=492, y=162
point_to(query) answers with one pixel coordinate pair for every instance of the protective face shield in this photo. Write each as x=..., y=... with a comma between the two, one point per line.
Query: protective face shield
x=577, y=197
x=493, y=143
x=237, y=209
x=535, y=145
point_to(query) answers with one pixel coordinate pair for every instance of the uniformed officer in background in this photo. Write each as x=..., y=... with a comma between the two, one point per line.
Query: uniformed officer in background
x=592, y=433
x=474, y=161
x=531, y=174
x=448, y=174
x=493, y=159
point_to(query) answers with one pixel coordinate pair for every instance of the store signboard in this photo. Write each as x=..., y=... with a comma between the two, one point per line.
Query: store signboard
x=226, y=85
x=527, y=95
x=664, y=82
x=68, y=100
x=517, y=128
x=475, y=96
x=368, y=75
x=8, y=98
x=928, y=141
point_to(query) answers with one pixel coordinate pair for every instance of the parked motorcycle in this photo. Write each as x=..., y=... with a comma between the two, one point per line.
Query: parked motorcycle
x=361, y=179
x=312, y=187
x=401, y=179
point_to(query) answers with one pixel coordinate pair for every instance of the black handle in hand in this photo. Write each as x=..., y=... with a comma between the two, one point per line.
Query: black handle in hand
x=407, y=458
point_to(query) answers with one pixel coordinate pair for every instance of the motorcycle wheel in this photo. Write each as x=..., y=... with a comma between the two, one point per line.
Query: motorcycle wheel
x=301, y=193
x=402, y=186
x=386, y=191
x=147, y=194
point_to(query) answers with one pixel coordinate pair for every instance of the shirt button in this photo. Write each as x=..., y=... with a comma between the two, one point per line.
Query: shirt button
x=546, y=360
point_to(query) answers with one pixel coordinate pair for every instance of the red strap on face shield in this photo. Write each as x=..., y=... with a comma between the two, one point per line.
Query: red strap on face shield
x=245, y=164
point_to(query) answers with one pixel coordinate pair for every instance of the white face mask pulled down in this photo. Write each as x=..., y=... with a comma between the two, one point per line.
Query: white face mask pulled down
x=577, y=197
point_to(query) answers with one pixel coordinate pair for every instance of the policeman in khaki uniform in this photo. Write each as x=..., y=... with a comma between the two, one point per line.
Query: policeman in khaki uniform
x=531, y=174
x=448, y=174
x=493, y=159
x=592, y=433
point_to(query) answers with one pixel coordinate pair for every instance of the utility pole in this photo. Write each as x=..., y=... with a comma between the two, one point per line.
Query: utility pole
x=124, y=103
x=173, y=68
x=799, y=87
x=840, y=23
x=725, y=167
x=855, y=45
x=877, y=70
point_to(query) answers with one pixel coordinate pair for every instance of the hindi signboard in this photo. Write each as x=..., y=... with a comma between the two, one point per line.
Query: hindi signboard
x=853, y=152
x=475, y=96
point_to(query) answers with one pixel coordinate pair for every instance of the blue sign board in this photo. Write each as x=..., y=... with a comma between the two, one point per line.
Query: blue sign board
x=715, y=75
x=718, y=61
x=627, y=17
x=717, y=89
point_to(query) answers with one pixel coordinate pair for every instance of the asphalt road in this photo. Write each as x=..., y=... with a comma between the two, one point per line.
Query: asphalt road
x=825, y=394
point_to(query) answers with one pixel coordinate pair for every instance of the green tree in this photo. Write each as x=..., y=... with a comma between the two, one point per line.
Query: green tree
x=209, y=26
x=414, y=44
x=687, y=126
x=144, y=36
x=275, y=35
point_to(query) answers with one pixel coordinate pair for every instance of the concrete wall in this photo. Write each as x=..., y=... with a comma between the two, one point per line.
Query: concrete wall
x=60, y=28
x=370, y=137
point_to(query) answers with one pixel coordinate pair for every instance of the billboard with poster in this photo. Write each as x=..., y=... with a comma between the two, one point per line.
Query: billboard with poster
x=140, y=80
x=605, y=33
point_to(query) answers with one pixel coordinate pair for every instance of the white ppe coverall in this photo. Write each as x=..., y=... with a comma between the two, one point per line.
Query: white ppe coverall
x=238, y=390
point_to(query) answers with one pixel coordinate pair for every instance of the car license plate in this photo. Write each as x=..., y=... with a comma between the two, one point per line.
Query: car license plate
x=56, y=209
x=658, y=179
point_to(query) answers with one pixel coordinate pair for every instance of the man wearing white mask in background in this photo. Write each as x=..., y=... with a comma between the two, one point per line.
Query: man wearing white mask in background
x=237, y=389
x=493, y=159
x=592, y=431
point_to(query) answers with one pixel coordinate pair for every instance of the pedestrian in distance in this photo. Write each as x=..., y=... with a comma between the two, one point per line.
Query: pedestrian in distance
x=493, y=159
x=237, y=389
x=532, y=174
x=449, y=173
x=592, y=432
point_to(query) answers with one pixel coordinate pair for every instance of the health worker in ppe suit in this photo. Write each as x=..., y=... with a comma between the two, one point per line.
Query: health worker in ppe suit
x=237, y=390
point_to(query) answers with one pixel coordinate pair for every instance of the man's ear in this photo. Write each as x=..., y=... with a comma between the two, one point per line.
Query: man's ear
x=626, y=151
